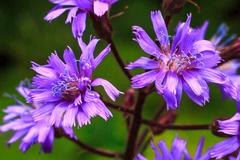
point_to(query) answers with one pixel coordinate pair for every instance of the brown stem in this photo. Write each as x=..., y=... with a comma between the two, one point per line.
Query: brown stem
x=145, y=132
x=98, y=151
x=119, y=59
x=119, y=107
x=167, y=20
x=134, y=127
x=167, y=118
x=176, y=127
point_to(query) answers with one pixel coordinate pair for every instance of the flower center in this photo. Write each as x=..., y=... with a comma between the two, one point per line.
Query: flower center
x=179, y=61
x=70, y=87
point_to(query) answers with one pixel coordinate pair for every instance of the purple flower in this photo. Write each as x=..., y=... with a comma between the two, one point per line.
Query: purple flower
x=77, y=12
x=19, y=119
x=66, y=88
x=187, y=64
x=230, y=127
x=177, y=152
x=232, y=88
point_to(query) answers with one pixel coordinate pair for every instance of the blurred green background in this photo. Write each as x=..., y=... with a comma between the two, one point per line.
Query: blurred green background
x=26, y=37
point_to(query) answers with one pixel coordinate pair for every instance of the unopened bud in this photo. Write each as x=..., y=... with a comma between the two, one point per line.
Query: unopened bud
x=231, y=51
x=215, y=129
x=129, y=98
x=173, y=6
x=166, y=119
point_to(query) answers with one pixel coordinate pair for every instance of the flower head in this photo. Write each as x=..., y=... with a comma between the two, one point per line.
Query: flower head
x=221, y=40
x=77, y=12
x=185, y=64
x=229, y=127
x=19, y=119
x=66, y=88
x=177, y=152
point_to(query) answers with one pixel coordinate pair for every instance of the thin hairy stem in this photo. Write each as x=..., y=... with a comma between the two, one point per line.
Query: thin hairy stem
x=97, y=151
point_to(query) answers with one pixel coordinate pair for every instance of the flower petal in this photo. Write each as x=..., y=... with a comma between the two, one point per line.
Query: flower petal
x=225, y=147
x=111, y=91
x=70, y=116
x=79, y=24
x=145, y=63
x=72, y=13
x=213, y=75
x=54, y=13
x=181, y=32
x=160, y=28
x=170, y=85
x=145, y=42
x=100, y=8
x=70, y=60
x=101, y=56
x=142, y=80
x=164, y=149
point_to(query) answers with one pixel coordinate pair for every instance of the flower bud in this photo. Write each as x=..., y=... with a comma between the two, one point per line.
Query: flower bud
x=231, y=51
x=173, y=6
x=129, y=98
x=165, y=119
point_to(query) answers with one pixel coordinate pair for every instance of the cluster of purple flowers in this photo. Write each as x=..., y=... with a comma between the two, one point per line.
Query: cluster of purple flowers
x=19, y=118
x=178, y=151
x=62, y=94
